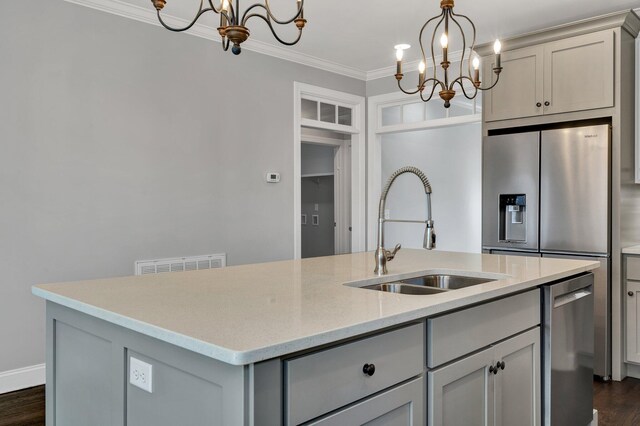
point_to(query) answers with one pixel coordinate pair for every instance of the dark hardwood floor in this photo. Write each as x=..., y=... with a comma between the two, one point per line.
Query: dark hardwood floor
x=23, y=408
x=618, y=404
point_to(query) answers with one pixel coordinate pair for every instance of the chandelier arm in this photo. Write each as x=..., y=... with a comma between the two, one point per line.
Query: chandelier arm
x=493, y=85
x=433, y=89
x=433, y=55
x=473, y=40
x=272, y=17
x=407, y=92
x=213, y=7
x=459, y=80
x=464, y=43
x=253, y=6
x=273, y=31
x=200, y=13
x=225, y=44
x=424, y=58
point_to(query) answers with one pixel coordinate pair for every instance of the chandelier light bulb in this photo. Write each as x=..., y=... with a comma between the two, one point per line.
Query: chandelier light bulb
x=444, y=40
x=225, y=5
x=497, y=46
x=422, y=67
x=476, y=63
x=399, y=53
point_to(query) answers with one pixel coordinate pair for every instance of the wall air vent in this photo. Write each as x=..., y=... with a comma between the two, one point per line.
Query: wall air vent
x=178, y=264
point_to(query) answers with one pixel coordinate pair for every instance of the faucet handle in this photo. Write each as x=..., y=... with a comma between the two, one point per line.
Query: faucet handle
x=391, y=254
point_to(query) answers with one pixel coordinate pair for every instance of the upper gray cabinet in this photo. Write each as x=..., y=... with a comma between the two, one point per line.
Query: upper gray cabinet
x=573, y=74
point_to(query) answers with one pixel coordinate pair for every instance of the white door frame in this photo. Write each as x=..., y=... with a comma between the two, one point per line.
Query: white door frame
x=341, y=189
x=375, y=131
x=358, y=158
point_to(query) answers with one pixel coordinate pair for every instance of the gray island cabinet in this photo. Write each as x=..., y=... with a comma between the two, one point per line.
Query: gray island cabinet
x=468, y=356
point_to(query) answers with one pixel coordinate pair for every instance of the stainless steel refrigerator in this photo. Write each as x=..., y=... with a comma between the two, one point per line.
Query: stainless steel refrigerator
x=547, y=193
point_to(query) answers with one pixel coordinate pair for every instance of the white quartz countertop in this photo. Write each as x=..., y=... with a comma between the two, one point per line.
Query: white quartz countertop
x=631, y=250
x=245, y=314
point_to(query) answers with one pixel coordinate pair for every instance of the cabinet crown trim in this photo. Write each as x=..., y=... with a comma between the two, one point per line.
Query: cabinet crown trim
x=628, y=20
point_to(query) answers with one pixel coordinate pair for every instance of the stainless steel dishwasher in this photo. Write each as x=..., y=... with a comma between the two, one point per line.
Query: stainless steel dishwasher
x=567, y=358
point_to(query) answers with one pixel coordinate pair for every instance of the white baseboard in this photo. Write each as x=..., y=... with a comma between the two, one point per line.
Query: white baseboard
x=633, y=370
x=594, y=422
x=22, y=378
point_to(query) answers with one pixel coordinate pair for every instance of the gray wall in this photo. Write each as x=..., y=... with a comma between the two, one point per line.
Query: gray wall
x=124, y=141
x=451, y=158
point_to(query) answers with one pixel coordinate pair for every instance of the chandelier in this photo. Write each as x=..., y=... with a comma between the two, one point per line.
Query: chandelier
x=233, y=29
x=446, y=83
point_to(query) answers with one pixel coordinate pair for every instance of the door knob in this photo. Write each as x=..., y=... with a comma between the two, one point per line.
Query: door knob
x=630, y=293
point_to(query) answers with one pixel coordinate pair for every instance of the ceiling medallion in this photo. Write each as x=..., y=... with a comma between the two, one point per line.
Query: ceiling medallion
x=233, y=29
x=445, y=83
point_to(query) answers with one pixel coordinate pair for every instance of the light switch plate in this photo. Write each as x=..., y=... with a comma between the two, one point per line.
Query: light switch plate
x=140, y=374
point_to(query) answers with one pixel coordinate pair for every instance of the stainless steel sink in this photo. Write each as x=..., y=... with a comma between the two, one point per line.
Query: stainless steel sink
x=426, y=284
x=447, y=282
x=404, y=288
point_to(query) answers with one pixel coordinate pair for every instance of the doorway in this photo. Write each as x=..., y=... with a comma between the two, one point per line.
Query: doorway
x=325, y=214
x=327, y=117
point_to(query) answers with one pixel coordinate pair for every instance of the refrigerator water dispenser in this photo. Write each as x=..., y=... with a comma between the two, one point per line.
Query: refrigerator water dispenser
x=513, y=217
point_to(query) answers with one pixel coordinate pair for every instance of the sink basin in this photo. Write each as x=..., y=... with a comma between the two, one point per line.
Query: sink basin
x=404, y=288
x=445, y=282
x=434, y=283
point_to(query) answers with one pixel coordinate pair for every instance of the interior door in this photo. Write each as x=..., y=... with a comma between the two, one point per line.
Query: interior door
x=574, y=190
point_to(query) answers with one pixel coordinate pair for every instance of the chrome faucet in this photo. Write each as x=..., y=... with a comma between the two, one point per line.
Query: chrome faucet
x=383, y=255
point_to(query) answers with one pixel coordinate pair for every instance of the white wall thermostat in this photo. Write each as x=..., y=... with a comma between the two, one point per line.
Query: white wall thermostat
x=273, y=177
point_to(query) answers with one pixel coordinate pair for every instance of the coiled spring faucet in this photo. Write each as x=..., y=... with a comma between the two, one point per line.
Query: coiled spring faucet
x=383, y=255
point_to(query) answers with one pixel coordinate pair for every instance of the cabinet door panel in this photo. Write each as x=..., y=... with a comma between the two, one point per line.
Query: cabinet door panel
x=461, y=393
x=520, y=87
x=517, y=387
x=400, y=406
x=578, y=73
x=633, y=314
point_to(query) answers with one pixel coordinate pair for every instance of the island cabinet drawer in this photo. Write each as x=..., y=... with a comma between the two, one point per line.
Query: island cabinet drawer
x=633, y=267
x=323, y=381
x=453, y=335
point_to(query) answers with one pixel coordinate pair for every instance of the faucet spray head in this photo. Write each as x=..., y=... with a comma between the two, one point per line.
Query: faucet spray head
x=429, y=236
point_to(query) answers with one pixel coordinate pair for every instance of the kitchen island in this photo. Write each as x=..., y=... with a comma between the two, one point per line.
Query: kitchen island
x=288, y=342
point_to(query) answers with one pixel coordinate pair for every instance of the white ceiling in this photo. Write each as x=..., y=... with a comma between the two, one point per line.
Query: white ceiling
x=360, y=34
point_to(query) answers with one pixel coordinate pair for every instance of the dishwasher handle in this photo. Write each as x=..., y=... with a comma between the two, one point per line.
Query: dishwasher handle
x=573, y=296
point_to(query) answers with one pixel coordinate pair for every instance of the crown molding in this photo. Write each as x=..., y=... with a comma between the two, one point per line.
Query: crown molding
x=626, y=19
x=410, y=66
x=149, y=16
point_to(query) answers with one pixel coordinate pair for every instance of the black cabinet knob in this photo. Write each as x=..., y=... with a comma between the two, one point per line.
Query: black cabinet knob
x=501, y=365
x=547, y=103
x=630, y=293
x=538, y=104
x=369, y=369
x=491, y=369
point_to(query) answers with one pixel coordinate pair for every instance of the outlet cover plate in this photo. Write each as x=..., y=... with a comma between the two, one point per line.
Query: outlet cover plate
x=140, y=374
